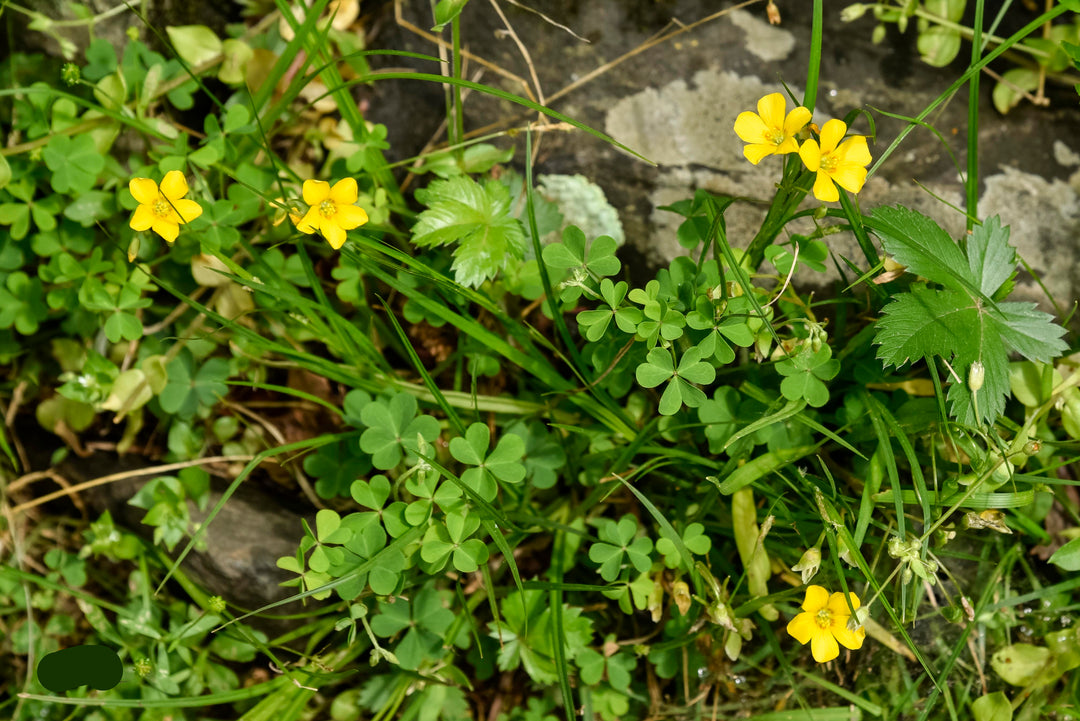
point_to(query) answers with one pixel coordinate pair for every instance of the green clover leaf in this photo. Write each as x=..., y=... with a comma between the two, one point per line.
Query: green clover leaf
x=659, y=367
x=392, y=430
x=596, y=322
x=544, y=455
x=502, y=464
x=336, y=466
x=805, y=375
x=426, y=619
x=693, y=538
x=616, y=542
x=74, y=161
x=185, y=393
x=22, y=303
x=453, y=539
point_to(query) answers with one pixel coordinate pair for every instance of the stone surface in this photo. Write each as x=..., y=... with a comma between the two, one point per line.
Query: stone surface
x=243, y=542
x=676, y=103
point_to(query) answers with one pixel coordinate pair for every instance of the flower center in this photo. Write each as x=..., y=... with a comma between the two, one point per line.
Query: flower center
x=823, y=618
x=327, y=208
x=775, y=136
x=829, y=163
x=161, y=207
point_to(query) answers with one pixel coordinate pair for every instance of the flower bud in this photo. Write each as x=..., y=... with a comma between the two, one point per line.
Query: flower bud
x=1032, y=448
x=773, y=13
x=878, y=34
x=852, y=12
x=809, y=564
x=70, y=74
x=217, y=604
x=976, y=376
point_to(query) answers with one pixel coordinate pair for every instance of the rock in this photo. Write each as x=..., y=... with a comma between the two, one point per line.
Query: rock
x=243, y=542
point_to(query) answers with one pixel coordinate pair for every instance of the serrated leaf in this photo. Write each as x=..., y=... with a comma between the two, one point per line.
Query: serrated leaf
x=475, y=216
x=919, y=243
x=990, y=257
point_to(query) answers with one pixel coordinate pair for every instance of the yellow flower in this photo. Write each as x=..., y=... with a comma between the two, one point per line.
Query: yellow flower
x=332, y=211
x=824, y=621
x=768, y=131
x=165, y=209
x=843, y=163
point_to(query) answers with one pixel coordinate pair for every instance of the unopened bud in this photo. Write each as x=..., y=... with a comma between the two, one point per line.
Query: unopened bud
x=773, y=12
x=217, y=604
x=809, y=564
x=70, y=74
x=852, y=12
x=878, y=34
x=976, y=376
x=1032, y=448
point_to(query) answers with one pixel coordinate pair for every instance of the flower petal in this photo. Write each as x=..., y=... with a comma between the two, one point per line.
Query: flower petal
x=142, y=218
x=754, y=153
x=824, y=647
x=310, y=222
x=771, y=109
x=824, y=190
x=811, y=155
x=816, y=599
x=333, y=233
x=789, y=145
x=750, y=128
x=803, y=627
x=174, y=185
x=165, y=229
x=316, y=191
x=350, y=216
x=143, y=190
x=344, y=191
x=850, y=177
x=796, y=120
x=854, y=150
x=831, y=134
x=850, y=639
x=187, y=210
x=839, y=605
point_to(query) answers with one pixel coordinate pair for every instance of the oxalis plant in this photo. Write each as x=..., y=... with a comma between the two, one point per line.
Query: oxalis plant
x=536, y=489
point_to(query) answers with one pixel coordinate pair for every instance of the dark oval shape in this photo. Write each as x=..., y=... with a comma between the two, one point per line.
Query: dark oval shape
x=96, y=666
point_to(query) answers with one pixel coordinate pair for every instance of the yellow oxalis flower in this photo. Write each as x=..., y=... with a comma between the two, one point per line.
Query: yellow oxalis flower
x=835, y=162
x=162, y=209
x=332, y=211
x=824, y=621
x=769, y=131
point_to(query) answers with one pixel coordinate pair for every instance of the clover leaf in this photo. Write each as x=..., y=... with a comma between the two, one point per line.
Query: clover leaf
x=502, y=464
x=544, y=455
x=185, y=393
x=659, y=367
x=453, y=538
x=805, y=375
x=426, y=619
x=617, y=665
x=336, y=466
x=721, y=327
x=22, y=303
x=596, y=322
x=393, y=429
x=373, y=494
x=74, y=161
x=693, y=538
x=616, y=542
x=570, y=253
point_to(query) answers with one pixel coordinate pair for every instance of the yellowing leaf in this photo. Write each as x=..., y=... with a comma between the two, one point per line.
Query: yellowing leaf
x=196, y=44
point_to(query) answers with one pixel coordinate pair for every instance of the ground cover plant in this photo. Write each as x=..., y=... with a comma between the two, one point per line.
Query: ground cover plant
x=537, y=489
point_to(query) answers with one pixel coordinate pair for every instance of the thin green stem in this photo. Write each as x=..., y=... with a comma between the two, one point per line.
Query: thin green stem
x=459, y=111
x=971, y=183
x=814, y=65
